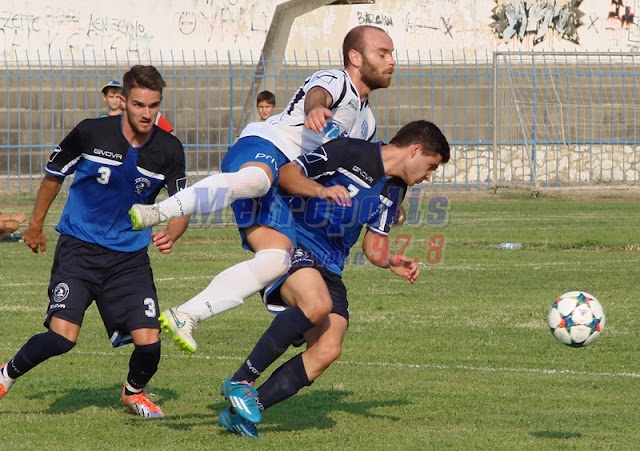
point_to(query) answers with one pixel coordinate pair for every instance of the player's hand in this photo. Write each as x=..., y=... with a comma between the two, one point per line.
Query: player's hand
x=401, y=217
x=34, y=238
x=316, y=119
x=405, y=267
x=338, y=194
x=19, y=217
x=162, y=241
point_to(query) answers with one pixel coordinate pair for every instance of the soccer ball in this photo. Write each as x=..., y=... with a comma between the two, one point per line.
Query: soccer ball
x=576, y=319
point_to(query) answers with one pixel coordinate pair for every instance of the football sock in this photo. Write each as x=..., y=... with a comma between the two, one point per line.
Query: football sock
x=229, y=288
x=215, y=192
x=285, y=382
x=4, y=373
x=143, y=364
x=285, y=328
x=129, y=390
x=36, y=350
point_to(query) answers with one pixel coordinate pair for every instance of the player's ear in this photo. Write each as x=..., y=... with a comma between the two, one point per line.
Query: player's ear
x=355, y=58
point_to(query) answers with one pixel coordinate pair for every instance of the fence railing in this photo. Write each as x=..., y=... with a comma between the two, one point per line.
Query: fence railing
x=513, y=119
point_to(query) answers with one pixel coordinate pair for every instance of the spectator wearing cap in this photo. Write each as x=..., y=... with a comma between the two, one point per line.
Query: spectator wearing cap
x=112, y=94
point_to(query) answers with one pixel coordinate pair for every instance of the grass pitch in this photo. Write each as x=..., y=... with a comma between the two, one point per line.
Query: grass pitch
x=462, y=359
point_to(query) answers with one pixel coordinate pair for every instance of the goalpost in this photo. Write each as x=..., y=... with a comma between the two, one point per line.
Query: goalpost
x=564, y=119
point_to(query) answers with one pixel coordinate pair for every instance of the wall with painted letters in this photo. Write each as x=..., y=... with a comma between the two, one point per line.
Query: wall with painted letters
x=237, y=28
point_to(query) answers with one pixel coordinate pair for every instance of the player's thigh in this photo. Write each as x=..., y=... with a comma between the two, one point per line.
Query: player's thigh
x=260, y=237
x=254, y=151
x=75, y=277
x=267, y=219
x=129, y=300
x=306, y=289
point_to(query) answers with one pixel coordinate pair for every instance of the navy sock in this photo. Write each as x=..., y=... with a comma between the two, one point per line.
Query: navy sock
x=285, y=328
x=35, y=351
x=285, y=382
x=143, y=364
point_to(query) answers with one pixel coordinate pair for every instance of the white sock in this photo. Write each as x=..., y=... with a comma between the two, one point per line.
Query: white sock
x=215, y=192
x=4, y=374
x=131, y=389
x=229, y=288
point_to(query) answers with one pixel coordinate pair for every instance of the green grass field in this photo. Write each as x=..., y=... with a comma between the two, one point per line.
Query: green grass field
x=463, y=359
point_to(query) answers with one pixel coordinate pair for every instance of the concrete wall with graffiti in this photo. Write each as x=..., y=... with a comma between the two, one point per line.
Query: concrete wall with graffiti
x=456, y=27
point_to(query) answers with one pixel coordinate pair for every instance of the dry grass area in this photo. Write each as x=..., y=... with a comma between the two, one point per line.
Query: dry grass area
x=624, y=193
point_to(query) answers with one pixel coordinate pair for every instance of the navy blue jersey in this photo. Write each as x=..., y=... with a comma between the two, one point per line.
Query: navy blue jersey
x=109, y=177
x=328, y=230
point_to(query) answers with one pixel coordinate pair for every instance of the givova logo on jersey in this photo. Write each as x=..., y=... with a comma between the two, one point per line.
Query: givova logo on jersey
x=142, y=184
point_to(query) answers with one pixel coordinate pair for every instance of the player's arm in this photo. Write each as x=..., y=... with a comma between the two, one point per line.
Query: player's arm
x=316, y=108
x=294, y=180
x=33, y=235
x=176, y=181
x=164, y=240
x=376, y=249
x=17, y=217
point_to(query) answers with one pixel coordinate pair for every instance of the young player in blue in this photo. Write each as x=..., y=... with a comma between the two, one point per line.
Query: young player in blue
x=116, y=161
x=338, y=189
x=330, y=103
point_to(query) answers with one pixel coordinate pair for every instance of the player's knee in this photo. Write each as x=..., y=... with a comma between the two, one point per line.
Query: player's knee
x=316, y=305
x=250, y=182
x=271, y=264
x=58, y=344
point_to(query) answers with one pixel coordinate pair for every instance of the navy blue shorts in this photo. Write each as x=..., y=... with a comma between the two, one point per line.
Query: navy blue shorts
x=304, y=259
x=121, y=283
x=271, y=210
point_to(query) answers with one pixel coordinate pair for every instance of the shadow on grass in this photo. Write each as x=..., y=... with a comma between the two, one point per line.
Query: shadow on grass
x=556, y=434
x=76, y=399
x=313, y=410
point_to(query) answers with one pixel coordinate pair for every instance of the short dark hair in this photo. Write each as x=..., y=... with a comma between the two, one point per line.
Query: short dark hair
x=354, y=40
x=266, y=96
x=140, y=76
x=426, y=134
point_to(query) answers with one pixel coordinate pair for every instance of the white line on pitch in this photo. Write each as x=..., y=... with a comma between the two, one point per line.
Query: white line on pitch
x=426, y=366
x=157, y=279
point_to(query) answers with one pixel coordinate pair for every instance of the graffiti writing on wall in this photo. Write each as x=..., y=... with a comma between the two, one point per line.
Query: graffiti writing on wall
x=621, y=12
x=64, y=28
x=537, y=19
x=215, y=22
x=414, y=24
x=377, y=19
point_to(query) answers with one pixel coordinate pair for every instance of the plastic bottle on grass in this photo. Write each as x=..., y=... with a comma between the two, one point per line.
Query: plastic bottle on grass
x=508, y=246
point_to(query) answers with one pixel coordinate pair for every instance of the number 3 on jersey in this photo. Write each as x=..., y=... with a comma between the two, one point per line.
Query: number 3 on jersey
x=105, y=175
x=353, y=190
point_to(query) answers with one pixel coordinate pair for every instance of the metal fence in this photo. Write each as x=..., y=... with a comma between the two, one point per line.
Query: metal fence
x=565, y=119
x=513, y=119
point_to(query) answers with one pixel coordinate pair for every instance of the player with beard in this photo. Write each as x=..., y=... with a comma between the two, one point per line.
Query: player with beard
x=116, y=161
x=336, y=190
x=330, y=103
